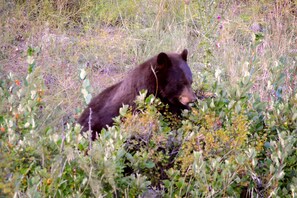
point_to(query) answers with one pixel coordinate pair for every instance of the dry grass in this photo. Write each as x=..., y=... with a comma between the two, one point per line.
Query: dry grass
x=222, y=35
x=227, y=40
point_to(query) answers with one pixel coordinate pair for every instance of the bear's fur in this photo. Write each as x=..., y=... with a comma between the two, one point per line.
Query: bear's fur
x=166, y=75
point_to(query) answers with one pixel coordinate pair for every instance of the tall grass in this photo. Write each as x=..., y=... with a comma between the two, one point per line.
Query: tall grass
x=243, y=141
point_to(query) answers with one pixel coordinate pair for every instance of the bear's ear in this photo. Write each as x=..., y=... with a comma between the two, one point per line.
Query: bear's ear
x=184, y=54
x=163, y=59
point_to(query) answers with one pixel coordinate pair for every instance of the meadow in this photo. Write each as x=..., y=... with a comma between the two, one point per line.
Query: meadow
x=238, y=140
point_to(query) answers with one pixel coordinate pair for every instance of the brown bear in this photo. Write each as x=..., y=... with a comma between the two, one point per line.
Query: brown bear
x=166, y=75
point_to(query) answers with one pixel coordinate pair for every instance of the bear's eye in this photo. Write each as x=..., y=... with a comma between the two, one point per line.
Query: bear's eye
x=183, y=82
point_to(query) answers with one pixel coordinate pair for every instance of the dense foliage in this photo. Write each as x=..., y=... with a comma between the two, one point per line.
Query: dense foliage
x=239, y=138
x=227, y=145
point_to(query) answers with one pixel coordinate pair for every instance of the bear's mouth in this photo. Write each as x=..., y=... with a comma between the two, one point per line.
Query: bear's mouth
x=185, y=100
x=187, y=96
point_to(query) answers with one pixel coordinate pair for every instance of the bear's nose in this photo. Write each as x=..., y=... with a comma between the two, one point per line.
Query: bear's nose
x=187, y=96
x=192, y=96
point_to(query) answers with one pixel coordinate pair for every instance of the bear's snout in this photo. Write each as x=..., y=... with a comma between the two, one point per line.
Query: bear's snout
x=187, y=96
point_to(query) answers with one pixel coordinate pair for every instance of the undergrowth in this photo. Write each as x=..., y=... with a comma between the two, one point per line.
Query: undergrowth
x=239, y=139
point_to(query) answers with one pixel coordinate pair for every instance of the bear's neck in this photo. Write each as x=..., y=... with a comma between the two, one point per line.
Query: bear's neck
x=148, y=79
x=141, y=78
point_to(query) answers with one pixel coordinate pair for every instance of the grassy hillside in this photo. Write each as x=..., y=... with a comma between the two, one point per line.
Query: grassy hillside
x=56, y=55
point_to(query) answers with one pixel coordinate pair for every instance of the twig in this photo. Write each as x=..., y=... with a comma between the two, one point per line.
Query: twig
x=90, y=130
x=156, y=77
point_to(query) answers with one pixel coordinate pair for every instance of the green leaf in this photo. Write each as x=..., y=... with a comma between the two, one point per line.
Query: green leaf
x=88, y=98
x=150, y=164
x=231, y=104
x=121, y=153
x=180, y=183
x=212, y=105
x=23, y=171
x=82, y=74
x=149, y=99
x=30, y=51
x=80, y=147
x=86, y=83
x=1, y=118
x=238, y=93
x=123, y=110
x=141, y=96
x=294, y=116
x=259, y=37
x=84, y=92
x=237, y=108
x=280, y=175
x=245, y=17
x=31, y=67
x=30, y=60
x=129, y=157
x=167, y=183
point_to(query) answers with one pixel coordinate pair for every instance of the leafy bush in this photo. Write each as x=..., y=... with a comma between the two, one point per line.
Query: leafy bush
x=239, y=139
x=228, y=145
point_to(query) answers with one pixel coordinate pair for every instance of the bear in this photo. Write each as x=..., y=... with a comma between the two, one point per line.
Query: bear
x=166, y=75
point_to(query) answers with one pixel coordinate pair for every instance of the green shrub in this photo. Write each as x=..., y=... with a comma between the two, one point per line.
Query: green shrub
x=240, y=141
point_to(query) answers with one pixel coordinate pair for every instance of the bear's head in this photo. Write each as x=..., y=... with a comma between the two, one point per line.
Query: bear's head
x=175, y=79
